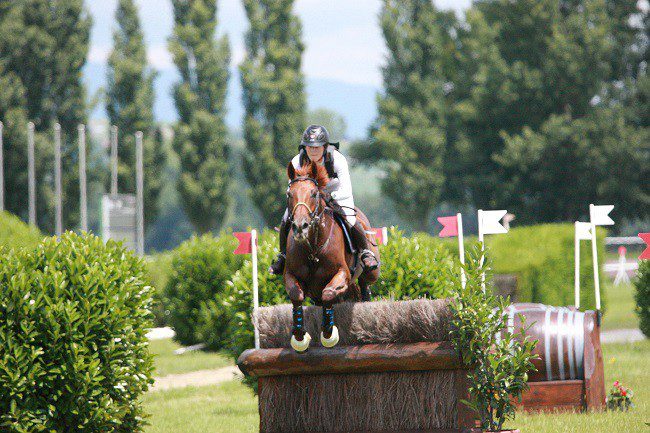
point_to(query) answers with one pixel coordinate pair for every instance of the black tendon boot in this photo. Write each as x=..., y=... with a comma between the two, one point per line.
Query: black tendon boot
x=360, y=240
x=277, y=267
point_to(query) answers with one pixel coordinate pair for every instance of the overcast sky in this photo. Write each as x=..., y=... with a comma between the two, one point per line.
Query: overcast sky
x=342, y=37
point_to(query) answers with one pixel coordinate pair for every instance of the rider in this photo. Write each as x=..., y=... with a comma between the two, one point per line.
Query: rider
x=315, y=146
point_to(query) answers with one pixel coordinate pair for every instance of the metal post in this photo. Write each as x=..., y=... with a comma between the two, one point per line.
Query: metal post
x=58, y=191
x=114, y=160
x=31, y=174
x=83, y=199
x=2, y=174
x=139, y=181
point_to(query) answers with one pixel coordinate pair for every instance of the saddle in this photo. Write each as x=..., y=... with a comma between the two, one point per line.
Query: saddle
x=346, y=232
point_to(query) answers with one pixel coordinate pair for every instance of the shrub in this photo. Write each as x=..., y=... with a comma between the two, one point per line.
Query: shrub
x=619, y=397
x=73, y=349
x=159, y=268
x=200, y=267
x=16, y=234
x=541, y=256
x=500, y=360
x=642, y=296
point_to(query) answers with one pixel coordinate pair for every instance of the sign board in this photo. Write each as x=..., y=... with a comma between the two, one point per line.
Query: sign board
x=119, y=219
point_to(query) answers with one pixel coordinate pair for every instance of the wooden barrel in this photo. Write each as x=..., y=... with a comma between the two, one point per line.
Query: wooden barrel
x=560, y=333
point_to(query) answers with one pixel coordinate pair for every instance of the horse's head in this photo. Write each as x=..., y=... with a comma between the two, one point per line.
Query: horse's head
x=304, y=198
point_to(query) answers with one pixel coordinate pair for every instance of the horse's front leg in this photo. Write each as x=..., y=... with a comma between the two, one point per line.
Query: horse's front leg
x=329, y=336
x=299, y=337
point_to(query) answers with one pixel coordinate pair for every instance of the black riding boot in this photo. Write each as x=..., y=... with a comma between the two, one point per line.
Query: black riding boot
x=277, y=267
x=360, y=241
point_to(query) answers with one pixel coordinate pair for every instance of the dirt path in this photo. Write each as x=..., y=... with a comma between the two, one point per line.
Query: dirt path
x=621, y=336
x=196, y=378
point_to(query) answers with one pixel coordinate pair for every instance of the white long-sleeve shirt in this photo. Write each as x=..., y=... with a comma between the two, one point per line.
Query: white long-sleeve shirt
x=339, y=187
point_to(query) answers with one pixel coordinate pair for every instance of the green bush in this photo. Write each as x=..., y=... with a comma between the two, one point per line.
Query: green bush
x=642, y=296
x=159, y=268
x=200, y=268
x=541, y=256
x=73, y=349
x=16, y=234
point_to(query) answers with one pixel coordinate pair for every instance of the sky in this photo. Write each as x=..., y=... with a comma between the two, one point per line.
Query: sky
x=344, y=49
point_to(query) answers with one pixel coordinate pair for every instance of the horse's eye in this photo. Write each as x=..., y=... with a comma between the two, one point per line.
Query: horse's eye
x=314, y=194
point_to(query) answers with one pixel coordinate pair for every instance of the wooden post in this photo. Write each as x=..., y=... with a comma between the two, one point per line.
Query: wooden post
x=114, y=132
x=2, y=173
x=83, y=200
x=31, y=174
x=256, y=302
x=461, y=247
x=139, y=181
x=576, y=272
x=481, y=239
x=594, y=251
x=58, y=190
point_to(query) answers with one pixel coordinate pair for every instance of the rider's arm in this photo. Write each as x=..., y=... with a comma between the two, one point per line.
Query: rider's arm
x=344, y=190
x=296, y=162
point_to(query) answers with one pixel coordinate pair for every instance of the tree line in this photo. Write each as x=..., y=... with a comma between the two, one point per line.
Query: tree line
x=537, y=106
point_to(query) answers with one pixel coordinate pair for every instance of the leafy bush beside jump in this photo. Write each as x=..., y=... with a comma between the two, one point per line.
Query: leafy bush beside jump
x=642, y=296
x=200, y=268
x=73, y=349
x=16, y=234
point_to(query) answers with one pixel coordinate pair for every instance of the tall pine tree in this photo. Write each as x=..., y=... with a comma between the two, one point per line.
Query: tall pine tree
x=43, y=48
x=273, y=93
x=410, y=132
x=201, y=137
x=129, y=104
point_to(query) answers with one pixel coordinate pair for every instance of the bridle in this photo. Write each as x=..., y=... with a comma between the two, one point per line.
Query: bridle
x=315, y=215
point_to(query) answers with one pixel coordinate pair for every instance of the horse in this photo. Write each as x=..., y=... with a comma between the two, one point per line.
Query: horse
x=318, y=264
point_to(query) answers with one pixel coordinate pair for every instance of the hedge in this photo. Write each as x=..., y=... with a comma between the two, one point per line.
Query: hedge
x=200, y=268
x=642, y=296
x=14, y=233
x=73, y=349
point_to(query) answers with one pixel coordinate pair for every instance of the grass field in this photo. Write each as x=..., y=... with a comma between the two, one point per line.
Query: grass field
x=168, y=363
x=620, y=307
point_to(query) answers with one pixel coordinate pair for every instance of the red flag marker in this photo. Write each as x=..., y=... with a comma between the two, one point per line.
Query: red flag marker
x=449, y=226
x=245, y=245
x=645, y=255
x=381, y=234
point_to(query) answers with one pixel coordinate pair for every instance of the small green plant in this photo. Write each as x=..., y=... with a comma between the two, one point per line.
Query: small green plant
x=642, y=296
x=200, y=268
x=619, y=397
x=74, y=355
x=500, y=360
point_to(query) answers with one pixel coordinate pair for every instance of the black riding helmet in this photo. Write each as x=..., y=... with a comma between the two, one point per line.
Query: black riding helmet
x=316, y=135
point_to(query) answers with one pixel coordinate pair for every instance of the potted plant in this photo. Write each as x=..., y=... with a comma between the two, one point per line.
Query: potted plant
x=500, y=359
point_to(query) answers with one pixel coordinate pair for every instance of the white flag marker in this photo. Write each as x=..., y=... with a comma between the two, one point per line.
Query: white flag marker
x=599, y=217
x=582, y=233
x=488, y=224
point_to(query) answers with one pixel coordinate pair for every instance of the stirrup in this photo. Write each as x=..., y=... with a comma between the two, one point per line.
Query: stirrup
x=368, y=253
x=277, y=267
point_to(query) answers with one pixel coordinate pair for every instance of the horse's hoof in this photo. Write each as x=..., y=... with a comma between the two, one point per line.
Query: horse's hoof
x=302, y=345
x=333, y=340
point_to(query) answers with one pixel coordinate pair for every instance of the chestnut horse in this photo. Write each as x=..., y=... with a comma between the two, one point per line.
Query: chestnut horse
x=318, y=264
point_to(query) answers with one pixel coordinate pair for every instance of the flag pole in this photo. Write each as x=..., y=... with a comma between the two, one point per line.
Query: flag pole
x=481, y=239
x=594, y=252
x=461, y=248
x=576, y=279
x=255, y=286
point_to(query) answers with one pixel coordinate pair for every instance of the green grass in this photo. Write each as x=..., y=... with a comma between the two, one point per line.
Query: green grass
x=620, y=307
x=229, y=407
x=168, y=363
x=628, y=363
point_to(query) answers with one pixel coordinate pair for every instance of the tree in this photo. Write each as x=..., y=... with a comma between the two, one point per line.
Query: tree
x=274, y=100
x=409, y=136
x=129, y=104
x=201, y=138
x=333, y=121
x=43, y=48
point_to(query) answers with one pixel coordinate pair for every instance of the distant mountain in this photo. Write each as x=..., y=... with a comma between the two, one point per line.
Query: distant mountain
x=355, y=102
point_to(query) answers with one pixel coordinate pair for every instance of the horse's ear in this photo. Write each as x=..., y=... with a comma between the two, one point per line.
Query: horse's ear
x=291, y=172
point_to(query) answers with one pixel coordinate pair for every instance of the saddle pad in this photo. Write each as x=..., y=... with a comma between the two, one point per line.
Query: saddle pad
x=346, y=234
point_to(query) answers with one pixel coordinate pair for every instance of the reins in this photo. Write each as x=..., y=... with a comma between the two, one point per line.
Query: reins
x=315, y=216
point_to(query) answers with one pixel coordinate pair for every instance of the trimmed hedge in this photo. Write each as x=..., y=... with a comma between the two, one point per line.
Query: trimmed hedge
x=73, y=349
x=642, y=296
x=541, y=256
x=200, y=268
x=14, y=233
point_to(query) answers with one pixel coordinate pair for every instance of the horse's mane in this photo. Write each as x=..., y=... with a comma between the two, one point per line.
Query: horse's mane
x=320, y=175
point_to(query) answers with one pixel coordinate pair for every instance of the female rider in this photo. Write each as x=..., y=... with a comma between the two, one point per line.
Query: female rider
x=315, y=146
